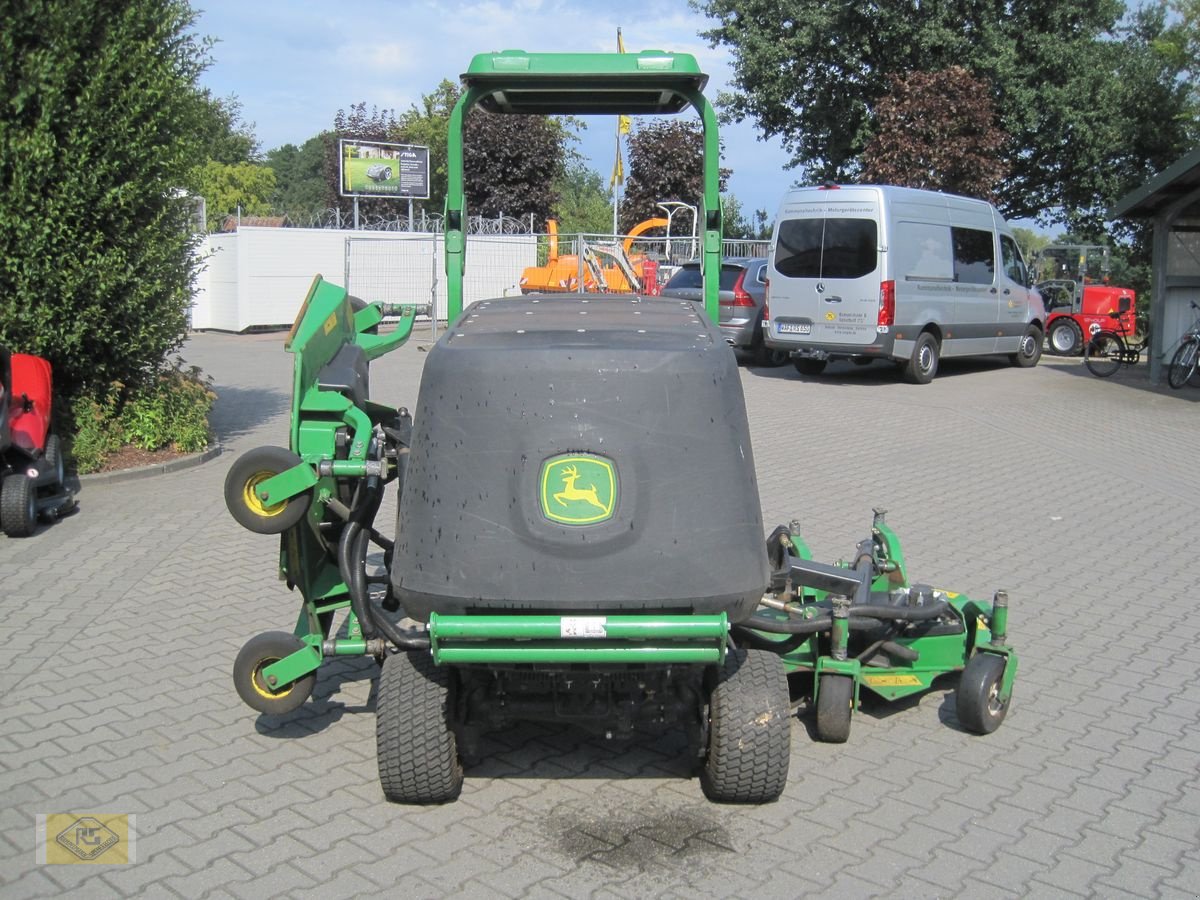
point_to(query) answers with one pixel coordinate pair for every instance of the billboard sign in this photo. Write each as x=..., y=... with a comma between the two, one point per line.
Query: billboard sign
x=371, y=169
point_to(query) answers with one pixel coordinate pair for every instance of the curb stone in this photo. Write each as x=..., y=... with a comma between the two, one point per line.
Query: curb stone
x=174, y=465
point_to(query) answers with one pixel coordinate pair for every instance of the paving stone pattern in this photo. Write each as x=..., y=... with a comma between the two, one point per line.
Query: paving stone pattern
x=1078, y=496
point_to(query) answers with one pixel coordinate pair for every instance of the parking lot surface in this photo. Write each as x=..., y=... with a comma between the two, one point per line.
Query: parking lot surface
x=1078, y=496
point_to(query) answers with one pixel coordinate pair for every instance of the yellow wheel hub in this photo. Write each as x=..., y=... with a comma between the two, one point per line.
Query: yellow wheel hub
x=251, y=499
x=260, y=684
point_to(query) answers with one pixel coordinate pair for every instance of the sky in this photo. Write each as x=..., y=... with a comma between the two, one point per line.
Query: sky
x=293, y=63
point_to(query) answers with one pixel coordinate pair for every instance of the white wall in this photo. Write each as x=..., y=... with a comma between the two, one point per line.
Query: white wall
x=260, y=276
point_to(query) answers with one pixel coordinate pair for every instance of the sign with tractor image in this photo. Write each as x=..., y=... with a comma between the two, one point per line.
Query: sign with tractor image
x=369, y=169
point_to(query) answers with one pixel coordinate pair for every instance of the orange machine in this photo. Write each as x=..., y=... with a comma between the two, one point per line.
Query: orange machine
x=607, y=268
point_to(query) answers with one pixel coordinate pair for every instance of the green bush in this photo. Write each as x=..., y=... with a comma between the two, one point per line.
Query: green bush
x=97, y=433
x=170, y=410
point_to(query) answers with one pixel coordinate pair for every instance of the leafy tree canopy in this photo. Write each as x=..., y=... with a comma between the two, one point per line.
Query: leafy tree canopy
x=583, y=204
x=1091, y=103
x=227, y=187
x=935, y=131
x=101, y=125
x=666, y=162
x=300, y=188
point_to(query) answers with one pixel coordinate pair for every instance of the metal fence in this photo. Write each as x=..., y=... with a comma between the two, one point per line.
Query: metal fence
x=409, y=269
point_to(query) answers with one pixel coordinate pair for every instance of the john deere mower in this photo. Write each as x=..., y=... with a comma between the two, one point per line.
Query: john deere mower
x=578, y=536
x=31, y=459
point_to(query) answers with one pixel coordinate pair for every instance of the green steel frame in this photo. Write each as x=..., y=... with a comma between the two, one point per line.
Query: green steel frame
x=650, y=82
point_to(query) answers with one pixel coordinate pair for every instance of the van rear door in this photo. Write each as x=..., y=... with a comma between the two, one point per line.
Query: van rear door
x=826, y=269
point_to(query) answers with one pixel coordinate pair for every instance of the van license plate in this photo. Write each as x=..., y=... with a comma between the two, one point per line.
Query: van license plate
x=795, y=328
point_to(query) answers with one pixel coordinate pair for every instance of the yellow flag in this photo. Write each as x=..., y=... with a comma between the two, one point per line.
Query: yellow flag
x=623, y=122
x=618, y=175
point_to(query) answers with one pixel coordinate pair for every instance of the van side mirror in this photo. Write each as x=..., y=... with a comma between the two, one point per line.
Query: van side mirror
x=1123, y=305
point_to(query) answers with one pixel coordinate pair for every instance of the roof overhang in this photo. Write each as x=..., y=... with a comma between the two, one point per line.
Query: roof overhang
x=1163, y=191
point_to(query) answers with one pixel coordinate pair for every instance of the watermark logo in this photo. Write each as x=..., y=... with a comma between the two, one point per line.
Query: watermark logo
x=97, y=839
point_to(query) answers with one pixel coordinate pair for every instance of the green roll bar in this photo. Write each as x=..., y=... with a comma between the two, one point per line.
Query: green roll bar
x=647, y=83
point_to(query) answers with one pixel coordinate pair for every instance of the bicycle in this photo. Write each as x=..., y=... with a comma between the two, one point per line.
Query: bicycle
x=1107, y=351
x=1183, y=363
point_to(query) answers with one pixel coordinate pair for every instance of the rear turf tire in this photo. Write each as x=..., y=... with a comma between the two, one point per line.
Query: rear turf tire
x=52, y=460
x=416, y=748
x=749, y=730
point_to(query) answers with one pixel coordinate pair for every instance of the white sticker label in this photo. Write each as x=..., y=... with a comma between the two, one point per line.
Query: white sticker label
x=583, y=627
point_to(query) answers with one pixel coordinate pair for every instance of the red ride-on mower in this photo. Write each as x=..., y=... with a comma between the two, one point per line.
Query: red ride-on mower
x=31, y=459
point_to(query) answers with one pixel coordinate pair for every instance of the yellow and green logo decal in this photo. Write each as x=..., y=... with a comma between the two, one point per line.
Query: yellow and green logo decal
x=578, y=489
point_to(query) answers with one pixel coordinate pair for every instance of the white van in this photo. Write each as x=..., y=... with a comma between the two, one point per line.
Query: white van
x=872, y=272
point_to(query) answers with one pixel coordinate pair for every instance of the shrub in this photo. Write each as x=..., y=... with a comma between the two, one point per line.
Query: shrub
x=169, y=410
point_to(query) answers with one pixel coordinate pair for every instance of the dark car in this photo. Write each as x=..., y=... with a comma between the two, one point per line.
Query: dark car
x=742, y=292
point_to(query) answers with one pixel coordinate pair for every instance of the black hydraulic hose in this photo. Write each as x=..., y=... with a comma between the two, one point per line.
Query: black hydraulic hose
x=861, y=618
x=352, y=557
x=756, y=640
x=760, y=622
x=902, y=613
x=352, y=554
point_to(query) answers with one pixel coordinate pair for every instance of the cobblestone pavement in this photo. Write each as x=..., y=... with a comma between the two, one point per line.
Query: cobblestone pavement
x=1075, y=494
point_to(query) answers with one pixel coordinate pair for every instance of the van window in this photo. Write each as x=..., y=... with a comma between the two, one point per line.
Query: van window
x=974, y=256
x=827, y=248
x=922, y=252
x=1010, y=254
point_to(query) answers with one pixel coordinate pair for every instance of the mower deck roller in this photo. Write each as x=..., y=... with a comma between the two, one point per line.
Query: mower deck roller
x=578, y=536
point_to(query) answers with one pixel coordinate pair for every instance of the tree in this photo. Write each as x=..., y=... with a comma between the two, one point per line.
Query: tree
x=936, y=130
x=229, y=187
x=666, y=162
x=583, y=201
x=738, y=227
x=300, y=188
x=512, y=163
x=226, y=137
x=1066, y=78
x=101, y=126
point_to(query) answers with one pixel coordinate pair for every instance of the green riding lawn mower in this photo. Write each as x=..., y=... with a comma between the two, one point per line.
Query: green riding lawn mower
x=578, y=536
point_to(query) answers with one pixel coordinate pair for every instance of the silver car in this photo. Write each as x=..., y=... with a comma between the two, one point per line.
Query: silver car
x=379, y=172
x=742, y=292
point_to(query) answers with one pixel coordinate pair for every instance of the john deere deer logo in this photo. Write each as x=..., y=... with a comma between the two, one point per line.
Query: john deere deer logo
x=578, y=489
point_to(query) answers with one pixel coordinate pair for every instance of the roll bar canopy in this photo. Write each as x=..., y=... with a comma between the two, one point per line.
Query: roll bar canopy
x=651, y=82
